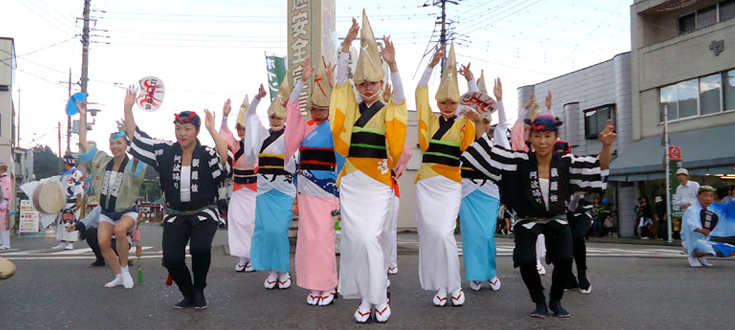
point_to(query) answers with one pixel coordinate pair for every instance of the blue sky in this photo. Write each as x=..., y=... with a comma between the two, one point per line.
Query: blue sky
x=208, y=51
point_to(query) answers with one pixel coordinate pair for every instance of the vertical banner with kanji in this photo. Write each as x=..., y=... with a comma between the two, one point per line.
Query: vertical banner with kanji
x=276, y=67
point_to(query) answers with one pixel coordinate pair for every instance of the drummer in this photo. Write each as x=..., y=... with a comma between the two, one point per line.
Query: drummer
x=117, y=180
x=72, y=183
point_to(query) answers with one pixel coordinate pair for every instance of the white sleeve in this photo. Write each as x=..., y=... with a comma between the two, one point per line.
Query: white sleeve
x=342, y=63
x=255, y=133
x=398, y=95
x=296, y=92
x=424, y=81
x=472, y=86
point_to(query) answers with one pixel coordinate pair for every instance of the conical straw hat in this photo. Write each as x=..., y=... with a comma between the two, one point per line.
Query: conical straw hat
x=369, y=63
x=449, y=88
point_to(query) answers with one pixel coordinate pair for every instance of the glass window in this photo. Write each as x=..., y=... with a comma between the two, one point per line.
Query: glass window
x=728, y=79
x=668, y=100
x=727, y=10
x=706, y=16
x=687, y=23
x=709, y=94
x=596, y=119
x=687, y=91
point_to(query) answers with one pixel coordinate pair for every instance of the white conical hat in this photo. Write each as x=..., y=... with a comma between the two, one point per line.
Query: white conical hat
x=449, y=88
x=321, y=90
x=241, y=116
x=278, y=105
x=481, y=82
x=369, y=63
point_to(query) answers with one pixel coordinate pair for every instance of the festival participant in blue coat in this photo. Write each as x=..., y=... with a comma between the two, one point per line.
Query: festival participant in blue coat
x=702, y=219
x=270, y=249
x=478, y=212
x=318, y=197
x=190, y=174
x=116, y=180
x=537, y=186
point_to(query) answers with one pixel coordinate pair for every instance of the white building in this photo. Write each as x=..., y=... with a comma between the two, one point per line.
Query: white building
x=682, y=59
x=584, y=100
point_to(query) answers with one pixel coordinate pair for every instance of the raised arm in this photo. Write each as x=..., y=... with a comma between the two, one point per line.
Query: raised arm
x=344, y=54
x=426, y=117
x=83, y=143
x=219, y=143
x=465, y=71
x=295, y=122
x=129, y=118
x=607, y=137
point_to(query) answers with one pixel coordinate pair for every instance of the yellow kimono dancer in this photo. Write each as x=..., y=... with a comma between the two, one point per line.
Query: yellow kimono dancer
x=370, y=134
x=442, y=138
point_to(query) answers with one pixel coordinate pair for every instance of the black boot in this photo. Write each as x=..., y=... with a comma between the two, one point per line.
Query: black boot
x=98, y=263
x=187, y=302
x=584, y=283
x=572, y=284
x=558, y=309
x=541, y=310
x=199, y=301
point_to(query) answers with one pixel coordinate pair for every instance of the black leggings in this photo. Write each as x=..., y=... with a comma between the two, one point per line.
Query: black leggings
x=199, y=234
x=579, y=225
x=558, y=251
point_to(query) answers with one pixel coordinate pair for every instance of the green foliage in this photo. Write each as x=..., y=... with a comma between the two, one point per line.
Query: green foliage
x=45, y=162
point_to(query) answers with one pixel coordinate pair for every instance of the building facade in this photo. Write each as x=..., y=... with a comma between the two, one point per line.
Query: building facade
x=682, y=63
x=584, y=100
x=7, y=110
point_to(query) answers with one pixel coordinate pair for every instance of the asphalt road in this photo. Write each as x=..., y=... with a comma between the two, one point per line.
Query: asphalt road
x=634, y=287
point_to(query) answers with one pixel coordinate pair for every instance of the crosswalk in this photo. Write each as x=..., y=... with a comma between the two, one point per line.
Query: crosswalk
x=81, y=253
x=505, y=249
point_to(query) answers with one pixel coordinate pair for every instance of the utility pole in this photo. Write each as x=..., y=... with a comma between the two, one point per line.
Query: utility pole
x=68, y=122
x=60, y=155
x=85, y=48
x=17, y=135
x=443, y=22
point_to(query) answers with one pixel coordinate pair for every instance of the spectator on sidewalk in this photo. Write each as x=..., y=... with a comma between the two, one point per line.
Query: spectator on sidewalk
x=660, y=210
x=686, y=195
x=644, y=217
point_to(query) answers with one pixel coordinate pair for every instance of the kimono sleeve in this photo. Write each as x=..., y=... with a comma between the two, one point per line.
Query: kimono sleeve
x=426, y=117
x=148, y=149
x=726, y=224
x=586, y=175
x=492, y=160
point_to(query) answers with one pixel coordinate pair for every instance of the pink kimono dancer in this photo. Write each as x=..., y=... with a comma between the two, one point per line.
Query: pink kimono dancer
x=316, y=263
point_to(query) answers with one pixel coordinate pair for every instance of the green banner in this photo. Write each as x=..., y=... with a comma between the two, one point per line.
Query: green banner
x=276, y=67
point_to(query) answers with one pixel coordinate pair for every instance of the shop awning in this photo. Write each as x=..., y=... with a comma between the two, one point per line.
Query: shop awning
x=706, y=151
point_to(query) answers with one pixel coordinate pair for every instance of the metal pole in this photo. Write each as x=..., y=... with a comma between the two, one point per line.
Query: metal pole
x=68, y=122
x=668, y=172
x=85, y=48
x=443, y=36
x=17, y=142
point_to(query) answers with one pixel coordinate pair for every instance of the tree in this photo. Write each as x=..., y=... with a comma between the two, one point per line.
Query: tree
x=45, y=162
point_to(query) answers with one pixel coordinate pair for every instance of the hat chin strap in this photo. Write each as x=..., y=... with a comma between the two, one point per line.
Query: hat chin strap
x=379, y=92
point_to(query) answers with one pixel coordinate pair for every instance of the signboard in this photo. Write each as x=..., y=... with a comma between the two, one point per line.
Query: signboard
x=674, y=153
x=311, y=32
x=29, y=217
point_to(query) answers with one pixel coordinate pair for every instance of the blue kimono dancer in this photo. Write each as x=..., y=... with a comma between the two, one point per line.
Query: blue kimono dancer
x=478, y=215
x=696, y=241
